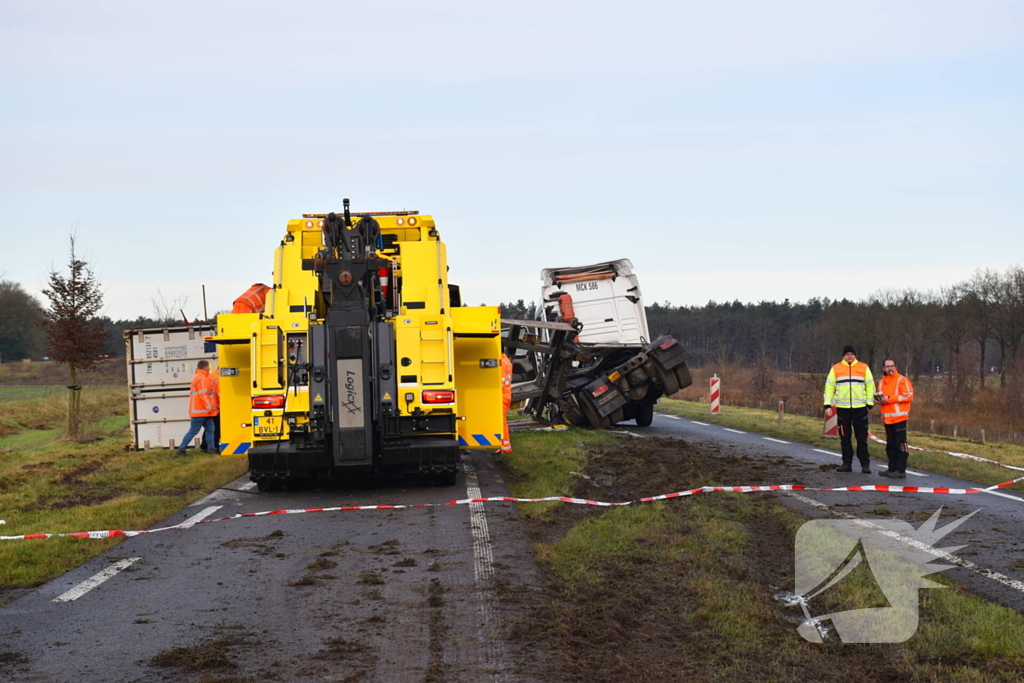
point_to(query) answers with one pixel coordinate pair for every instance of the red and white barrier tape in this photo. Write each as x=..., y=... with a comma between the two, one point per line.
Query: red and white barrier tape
x=966, y=456
x=880, y=488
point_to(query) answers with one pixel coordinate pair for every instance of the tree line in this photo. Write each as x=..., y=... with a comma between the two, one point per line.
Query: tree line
x=972, y=329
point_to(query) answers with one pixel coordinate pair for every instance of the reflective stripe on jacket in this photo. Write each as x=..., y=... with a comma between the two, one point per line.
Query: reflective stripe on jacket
x=199, y=401
x=899, y=392
x=253, y=301
x=849, y=385
x=215, y=391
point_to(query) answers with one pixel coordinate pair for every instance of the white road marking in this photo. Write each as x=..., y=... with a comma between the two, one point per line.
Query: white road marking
x=705, y=424
x=87, y=585
x=966, y=564
x=626, y=431
x=221, y=494
x=200, y=516
x=483, y=568
x=818, y=450
x=1005, y=495
x=671, y=417
x=483, y=558
x=917, y=474
x=734, y=431
x=768, y=438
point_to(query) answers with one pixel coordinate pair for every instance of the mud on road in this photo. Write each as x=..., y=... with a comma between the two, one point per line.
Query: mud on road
x=694, y=598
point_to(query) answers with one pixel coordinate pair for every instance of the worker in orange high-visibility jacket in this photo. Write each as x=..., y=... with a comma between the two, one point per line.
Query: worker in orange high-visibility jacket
x=215, y=398
x=506, y=402
x=848, y=391
x=253, y=301
x=895, y=392
x=200, y=408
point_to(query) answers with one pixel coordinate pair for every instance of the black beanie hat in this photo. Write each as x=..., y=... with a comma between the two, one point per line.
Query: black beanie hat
x=848, y=349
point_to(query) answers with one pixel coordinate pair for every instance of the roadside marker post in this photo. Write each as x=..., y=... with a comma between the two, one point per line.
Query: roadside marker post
x=831, y=427
x=782, y=412
x=716, y=394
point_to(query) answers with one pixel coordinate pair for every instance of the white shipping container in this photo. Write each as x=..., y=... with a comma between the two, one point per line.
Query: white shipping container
x=161, y=363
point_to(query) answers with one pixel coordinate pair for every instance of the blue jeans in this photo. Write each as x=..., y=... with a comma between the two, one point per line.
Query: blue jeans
x=198, y=423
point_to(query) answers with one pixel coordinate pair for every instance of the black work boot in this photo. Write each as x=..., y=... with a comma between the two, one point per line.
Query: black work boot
x=866, y=469
x=885, y=473
x=898, y=475
x=844, y=468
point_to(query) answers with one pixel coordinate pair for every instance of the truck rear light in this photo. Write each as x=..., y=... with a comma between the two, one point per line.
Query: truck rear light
x=667, y=343
x=438, y=396
x=600, y=390
x=265, y=402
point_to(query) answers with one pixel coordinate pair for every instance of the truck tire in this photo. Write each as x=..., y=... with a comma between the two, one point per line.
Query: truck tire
x=266, y=484
x=445, y=478
x=667, y=377
x=644, y=415
x=683, y=375
x=593, y=417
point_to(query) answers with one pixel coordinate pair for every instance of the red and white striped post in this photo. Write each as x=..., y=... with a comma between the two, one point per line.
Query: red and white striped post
x=831, y=426
x=716, y=395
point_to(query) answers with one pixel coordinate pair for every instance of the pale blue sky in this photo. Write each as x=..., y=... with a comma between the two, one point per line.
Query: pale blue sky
x=736, y=149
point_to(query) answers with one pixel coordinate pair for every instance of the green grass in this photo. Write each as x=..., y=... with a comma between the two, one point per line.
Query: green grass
x=808, y=430
x=21, y=393
x=700, y=562
x=49, y=484
x=547, y=460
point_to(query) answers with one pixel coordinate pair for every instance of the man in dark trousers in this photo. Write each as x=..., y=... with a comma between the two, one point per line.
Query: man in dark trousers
x=200, y=408
x=895, y=392
x=849, y=391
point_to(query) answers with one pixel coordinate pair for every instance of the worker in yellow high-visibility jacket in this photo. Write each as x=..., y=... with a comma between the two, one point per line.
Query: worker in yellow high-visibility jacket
x=849, y=390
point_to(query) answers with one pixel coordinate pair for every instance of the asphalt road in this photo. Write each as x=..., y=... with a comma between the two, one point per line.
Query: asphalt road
x=991, y=564
x=387, y=595
x=392, y=595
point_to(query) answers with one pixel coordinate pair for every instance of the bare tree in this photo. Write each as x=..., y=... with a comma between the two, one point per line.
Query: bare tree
x=979, y=298
x=74, y=337
x=168, y=312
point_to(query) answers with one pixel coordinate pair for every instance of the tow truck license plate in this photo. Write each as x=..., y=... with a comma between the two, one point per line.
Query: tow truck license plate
x=267, y=426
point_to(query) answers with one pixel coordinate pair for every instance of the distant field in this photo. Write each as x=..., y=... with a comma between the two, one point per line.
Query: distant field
x=21, y=392
x=48, y=372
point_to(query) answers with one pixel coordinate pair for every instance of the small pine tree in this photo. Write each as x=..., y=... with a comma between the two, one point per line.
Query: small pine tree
x=74, y=336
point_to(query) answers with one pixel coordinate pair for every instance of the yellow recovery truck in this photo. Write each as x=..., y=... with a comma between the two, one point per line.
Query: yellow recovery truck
x=364, y=360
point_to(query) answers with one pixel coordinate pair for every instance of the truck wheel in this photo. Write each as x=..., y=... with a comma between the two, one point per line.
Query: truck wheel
x=445, y=478
x=668, y=379
x=267, y=484
x=683, y=375
x=644, y=415
x=593, y=417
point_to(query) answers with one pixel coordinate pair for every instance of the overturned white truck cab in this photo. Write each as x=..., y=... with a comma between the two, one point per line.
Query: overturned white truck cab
x=588, y=359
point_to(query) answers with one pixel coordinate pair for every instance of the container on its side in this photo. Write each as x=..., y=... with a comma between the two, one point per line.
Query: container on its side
x=161, y=362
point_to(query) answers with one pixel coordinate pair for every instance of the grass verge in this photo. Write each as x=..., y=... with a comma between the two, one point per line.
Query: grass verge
x=808, y=430
x=686, y=589
x=51, y=485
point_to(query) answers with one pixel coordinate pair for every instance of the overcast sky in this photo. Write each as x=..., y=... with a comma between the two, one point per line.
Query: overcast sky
x=733, y=150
